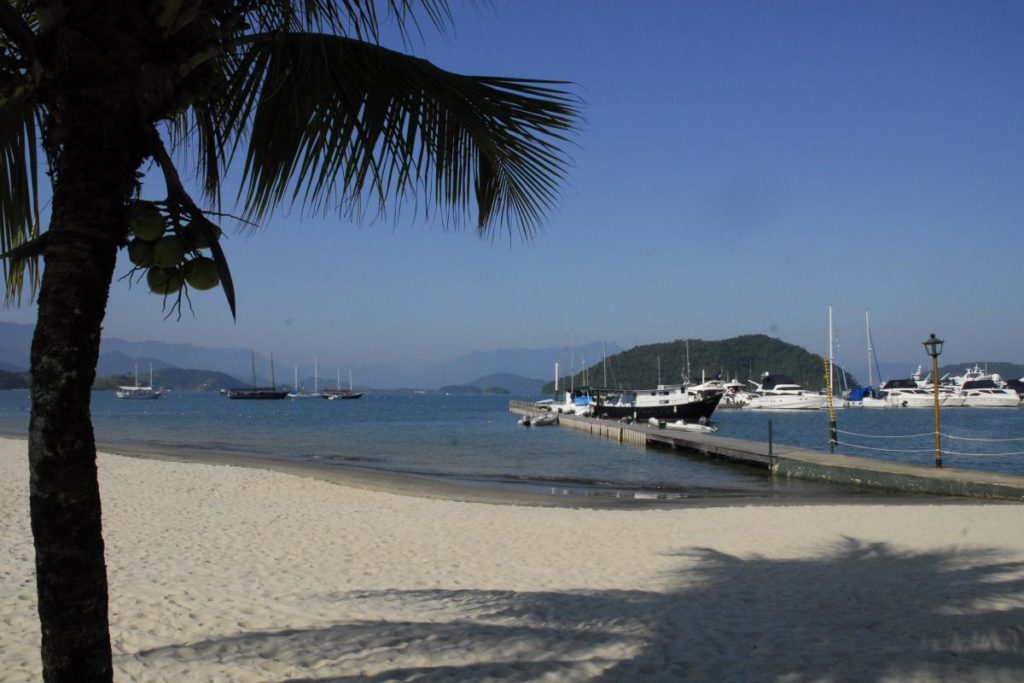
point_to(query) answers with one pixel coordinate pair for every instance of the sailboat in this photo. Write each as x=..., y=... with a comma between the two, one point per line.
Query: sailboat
x=299, y=393
x=338, y=392
x=138, y=392
x=838, y=400
x=258, y=393
x=870, y=396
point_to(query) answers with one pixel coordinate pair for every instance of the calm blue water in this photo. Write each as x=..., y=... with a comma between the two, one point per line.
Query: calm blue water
x=474, y=438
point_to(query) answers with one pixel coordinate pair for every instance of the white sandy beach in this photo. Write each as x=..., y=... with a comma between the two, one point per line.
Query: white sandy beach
x=222, y=573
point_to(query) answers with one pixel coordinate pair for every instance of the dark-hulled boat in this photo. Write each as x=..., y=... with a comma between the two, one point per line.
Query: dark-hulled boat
x=256, y=393
x=666, y=402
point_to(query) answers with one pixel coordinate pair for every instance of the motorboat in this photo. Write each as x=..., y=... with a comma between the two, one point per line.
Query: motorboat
x=780, y=392
x=545, y=420
x=905, y=393
x=699, y=427
x=980, y=389
x=666, y=402
x=986, y=393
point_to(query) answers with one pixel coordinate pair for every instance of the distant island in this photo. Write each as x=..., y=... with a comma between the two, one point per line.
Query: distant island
x=180, y=379
x=744, y=357
x=470, y=389
x=14, y=380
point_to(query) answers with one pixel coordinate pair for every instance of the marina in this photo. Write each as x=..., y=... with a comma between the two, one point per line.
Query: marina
x=800, y=463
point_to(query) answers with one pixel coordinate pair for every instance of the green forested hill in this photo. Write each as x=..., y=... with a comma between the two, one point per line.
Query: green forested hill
x=175, y=378
x=742, y=358
x=13, y=380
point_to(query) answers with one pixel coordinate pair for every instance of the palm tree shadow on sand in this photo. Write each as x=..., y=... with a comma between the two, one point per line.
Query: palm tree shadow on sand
x=857, y=612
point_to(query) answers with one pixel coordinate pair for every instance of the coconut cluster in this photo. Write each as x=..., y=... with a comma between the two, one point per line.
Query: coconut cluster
x=173, y=257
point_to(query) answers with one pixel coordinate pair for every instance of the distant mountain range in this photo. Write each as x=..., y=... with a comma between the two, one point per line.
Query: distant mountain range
x=120, y=357
x=516, y=370
x=174, y=378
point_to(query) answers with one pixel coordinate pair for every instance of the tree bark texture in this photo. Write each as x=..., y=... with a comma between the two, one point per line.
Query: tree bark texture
x=94, y=142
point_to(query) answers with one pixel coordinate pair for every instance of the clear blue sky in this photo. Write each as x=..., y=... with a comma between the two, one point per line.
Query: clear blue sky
x=741, y=167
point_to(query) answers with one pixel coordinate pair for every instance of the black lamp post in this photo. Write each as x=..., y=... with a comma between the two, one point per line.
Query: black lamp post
x=933, y=347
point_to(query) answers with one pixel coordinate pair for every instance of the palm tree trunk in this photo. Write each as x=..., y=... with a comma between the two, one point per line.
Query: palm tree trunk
x=71, y=577
x=93, y=177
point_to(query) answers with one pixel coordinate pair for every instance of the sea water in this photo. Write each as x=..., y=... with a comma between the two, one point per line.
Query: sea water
x=474, y=439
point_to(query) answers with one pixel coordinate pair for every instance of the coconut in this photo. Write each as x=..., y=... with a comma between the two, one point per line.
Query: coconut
x=140, y=252
x=201, y=236
x=169, y=251
x=201, y=273
x=146, y=221
x=164, y=281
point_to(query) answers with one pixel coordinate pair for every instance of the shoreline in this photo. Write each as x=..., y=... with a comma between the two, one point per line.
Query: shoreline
x=248, y=574
x=520, y=494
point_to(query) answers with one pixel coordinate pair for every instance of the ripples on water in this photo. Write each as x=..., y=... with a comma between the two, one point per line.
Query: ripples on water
x=475, y=439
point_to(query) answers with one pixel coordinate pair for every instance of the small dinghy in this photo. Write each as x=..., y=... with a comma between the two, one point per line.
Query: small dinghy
x=545, y=420
x=692, y=427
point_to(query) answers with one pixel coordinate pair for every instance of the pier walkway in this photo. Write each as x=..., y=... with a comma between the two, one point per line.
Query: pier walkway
x=799, y=463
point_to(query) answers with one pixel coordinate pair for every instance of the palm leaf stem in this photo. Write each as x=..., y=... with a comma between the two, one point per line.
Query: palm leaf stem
x=176, y=192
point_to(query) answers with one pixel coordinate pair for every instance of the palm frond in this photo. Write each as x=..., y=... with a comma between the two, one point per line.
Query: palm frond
x=19, y=187
x=359, y=19
x=330, y=118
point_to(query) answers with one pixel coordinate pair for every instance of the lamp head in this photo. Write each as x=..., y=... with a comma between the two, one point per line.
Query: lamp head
x=933, y=346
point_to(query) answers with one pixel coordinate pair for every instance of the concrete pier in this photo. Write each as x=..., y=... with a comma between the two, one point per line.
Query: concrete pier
x=799, y=463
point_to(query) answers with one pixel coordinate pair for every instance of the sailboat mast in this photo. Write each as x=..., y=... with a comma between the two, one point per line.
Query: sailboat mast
x=871, y=351
x=831, y=360
x=150, y=376
x=273, y=383
x=688, y=375
x=350, y=380
x=556, y=378
x=572, y=366
x=252, y=355
x=316, y=375
x=604, y=362
x=296, y=379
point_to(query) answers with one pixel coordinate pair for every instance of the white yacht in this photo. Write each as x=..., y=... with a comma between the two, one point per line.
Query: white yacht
x=949, y=396
x=574, y=402
x=904, y=393
x=735, y=395
x=987, y=393
x=981, y=390
x=779, y=392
